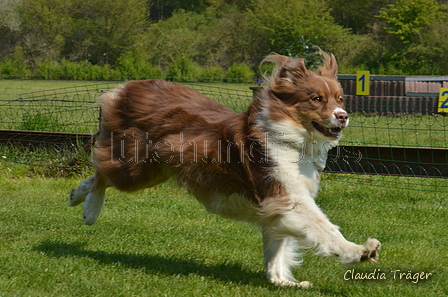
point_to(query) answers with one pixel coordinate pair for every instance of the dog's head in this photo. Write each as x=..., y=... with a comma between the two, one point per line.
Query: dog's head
x=312, y=100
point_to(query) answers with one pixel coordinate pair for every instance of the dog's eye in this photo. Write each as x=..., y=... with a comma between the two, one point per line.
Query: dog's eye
x=317, y=99
x=340, y=99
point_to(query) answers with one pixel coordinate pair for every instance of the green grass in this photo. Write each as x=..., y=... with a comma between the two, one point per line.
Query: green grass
x=161, y=242
x=49, y=161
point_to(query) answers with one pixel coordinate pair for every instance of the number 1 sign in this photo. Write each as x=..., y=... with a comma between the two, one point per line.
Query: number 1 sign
x=443, y=100
x=363, y=83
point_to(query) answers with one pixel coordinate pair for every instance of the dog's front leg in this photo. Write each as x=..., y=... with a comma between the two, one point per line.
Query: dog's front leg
x=306, y=222
x=280, y=257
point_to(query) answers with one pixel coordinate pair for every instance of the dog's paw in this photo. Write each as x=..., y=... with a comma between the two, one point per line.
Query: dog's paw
x=288, y=283
x=305, y=285
x=91, y=213
x=90, y=217
x=76, y=198
x=92, y=207
x=371, y=250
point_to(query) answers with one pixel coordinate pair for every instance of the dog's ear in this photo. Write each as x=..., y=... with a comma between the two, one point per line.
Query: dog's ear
x=286, y=73
x=329, y=67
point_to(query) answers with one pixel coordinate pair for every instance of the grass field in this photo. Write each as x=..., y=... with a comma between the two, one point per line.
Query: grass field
x=160, y=242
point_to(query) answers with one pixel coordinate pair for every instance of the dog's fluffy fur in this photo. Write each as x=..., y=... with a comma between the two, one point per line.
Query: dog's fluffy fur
x=261, y=166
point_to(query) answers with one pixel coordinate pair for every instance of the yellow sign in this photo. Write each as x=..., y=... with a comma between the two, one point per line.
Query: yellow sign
x=443, y=100
x=363, y=83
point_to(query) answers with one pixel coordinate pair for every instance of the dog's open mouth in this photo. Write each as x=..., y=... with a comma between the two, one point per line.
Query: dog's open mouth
x=328, y=132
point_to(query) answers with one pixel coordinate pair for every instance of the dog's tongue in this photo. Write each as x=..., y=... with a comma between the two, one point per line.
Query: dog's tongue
x=336, y=132
x=328, y=132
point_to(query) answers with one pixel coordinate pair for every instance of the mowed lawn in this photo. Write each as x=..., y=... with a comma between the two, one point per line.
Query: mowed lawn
x=161, y=242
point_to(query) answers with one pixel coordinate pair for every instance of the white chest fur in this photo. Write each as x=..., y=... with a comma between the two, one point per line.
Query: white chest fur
x=300, y=155
x=297, y=168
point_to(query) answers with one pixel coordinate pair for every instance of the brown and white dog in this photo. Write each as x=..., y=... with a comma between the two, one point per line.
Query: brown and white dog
x=261, y=166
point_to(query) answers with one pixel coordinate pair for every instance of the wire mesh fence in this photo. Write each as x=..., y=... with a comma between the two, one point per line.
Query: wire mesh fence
x=58, y=110
x=410, y=127
x=390, y=149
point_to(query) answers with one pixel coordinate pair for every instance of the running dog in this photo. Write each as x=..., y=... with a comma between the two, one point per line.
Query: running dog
x=262, y=166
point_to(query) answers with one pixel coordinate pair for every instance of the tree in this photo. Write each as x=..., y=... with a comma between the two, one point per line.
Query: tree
x=177, y=37
x=9, y=27
x=236, y=38
x=358, y=15
x=103, y=30
x=97, y=31
x=164, y=9
x=406, y=18
x=406, y=24
x=43, y=26
x=286, y=23
x=8, y=14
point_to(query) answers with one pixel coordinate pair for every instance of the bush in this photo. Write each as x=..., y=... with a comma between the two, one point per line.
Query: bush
x=76, y=71
x=183, y=69
x=134, y=68
x=212, y=74
x=48, y=70
x=15, y=67
x=239, y=73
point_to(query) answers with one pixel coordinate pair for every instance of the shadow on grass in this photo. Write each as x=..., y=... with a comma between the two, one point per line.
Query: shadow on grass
x=156, y=264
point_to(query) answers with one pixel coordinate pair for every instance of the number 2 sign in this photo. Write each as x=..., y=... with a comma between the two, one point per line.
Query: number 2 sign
x=363, y=83
x=443, y=100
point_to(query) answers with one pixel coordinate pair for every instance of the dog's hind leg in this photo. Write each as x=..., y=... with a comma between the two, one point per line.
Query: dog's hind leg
x=94, y=200
x=79, y=194
x=280, y=257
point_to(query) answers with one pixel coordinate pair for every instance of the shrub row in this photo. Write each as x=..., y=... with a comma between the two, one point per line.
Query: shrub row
x=182, y=69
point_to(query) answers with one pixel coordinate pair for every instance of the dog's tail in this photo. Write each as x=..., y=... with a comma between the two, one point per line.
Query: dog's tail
x=106, y=102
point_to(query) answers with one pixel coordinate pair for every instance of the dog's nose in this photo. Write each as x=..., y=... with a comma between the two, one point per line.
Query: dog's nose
x=342, y=116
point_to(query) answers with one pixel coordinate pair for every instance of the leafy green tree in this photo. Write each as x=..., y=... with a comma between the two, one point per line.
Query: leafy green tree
x=405, y=38
x=9, y=27
x=428, y=53
x=43, y=26
x=97, y=31
x=236, y=37
x=218, y=7
x=286, y=22
x=358, y=15
x=406, y=18
x=8, y=14
x=164, y=9
x=435, y=42
x=104, y=29
x=176, y=37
